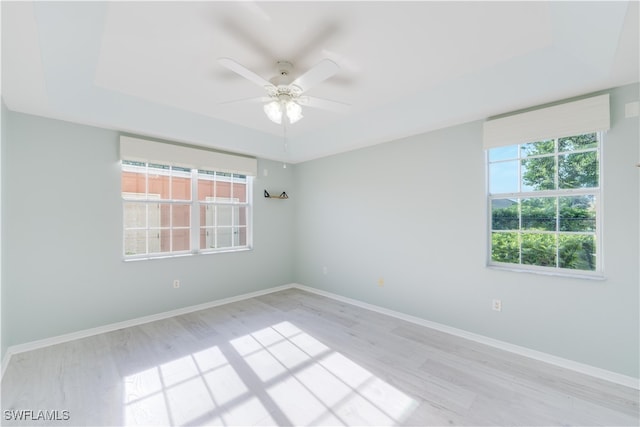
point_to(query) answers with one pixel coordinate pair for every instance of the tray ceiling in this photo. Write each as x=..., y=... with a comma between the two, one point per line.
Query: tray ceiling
x=150, y=67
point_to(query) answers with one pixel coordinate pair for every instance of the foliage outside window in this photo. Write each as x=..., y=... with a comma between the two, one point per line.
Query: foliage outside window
x=170, y=210
x=544, y=202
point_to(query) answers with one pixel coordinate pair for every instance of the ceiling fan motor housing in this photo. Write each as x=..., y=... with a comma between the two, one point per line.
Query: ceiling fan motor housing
x=284, y=92
x=284, y=69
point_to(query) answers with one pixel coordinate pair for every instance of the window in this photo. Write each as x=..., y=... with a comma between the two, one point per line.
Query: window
x=224, y=210
x=544, y=202
x=157, y=208
x=171, y=210
x=181, y=199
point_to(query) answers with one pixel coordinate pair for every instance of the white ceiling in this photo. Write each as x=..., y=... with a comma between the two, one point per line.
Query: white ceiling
x=405, y=67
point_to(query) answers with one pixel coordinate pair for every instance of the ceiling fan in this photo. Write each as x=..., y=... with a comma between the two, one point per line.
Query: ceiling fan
x=286, y=97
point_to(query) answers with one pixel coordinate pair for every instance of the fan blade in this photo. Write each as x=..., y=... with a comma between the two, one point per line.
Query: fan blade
x=324, y=104
x=319, y=73
x=239, y=101
x=243, y=71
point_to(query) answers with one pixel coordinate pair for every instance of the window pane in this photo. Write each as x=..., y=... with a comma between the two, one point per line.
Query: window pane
x=538, y=148
x=504, y=214
x=505, y=247
x=224, y=237
x=538, y=174
x=155, y=240
x=539, y=214
x=204, y=235
x=503, y=153
x=539, y=249
x=206, y=187
x=224, y=215
x=158, y=184
x=181, y=187
x=165, y=214
x=180, y=240
x=577, y=251
x=242, y=215
x=503, y=177
x=578, y=170
x=580, y=142
x=578, y=213
x=207, y=238
x=135, y=242
x=133, y=182
x=165, y=239
x=207, y=215
x=135, y=215
x=181, y=215
x=242, y=236
x=240, y=188
x=223, y=190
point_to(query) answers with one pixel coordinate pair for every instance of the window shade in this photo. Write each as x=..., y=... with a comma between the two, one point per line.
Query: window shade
x=572, y=118
x=143, y=150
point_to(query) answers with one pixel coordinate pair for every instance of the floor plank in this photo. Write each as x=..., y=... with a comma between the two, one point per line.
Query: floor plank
x=297, y=358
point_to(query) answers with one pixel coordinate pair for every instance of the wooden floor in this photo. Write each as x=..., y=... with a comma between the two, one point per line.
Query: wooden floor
x=296, y=358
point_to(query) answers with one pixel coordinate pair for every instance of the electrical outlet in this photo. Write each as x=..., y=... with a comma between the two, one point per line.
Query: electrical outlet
x=176, y=283
x=325, y=270
x=497, y=305
x=381, y=282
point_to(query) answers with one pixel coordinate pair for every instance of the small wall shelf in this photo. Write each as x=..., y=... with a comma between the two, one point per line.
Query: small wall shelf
x=282, y=195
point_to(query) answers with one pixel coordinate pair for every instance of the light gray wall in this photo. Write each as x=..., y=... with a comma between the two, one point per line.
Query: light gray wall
x=63, y=242
x=413, y=212
x=3, y=116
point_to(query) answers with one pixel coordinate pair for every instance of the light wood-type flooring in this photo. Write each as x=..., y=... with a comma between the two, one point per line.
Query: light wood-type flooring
x=297, y=358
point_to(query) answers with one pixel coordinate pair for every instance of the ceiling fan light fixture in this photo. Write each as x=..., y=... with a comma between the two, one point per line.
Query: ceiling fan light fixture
x=294, y=112
x=273, y=110
x=284, y=94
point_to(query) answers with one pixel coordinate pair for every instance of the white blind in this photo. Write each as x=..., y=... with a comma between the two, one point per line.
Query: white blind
x=143, y=150
x=572, y=118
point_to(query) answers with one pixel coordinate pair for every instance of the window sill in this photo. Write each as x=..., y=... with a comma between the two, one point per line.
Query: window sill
x=184, y=255
x=568, y=275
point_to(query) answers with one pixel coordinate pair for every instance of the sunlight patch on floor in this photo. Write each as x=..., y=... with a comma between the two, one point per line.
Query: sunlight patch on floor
x=275, y=375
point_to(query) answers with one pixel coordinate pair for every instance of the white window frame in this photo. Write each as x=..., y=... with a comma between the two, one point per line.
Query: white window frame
x=194, y=225
x=557, y=193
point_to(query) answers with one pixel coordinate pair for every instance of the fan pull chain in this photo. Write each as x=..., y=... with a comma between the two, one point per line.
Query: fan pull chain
x=284, y=135
x=284, y=139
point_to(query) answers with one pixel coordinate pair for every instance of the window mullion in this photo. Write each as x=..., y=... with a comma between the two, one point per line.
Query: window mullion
x=519, y=169
x=215, y=226
x=195, y=213
x=519, y=231
x=557, y=232
x=557, y=187
x=146, y=208
x=556, y=174
x=170, y=212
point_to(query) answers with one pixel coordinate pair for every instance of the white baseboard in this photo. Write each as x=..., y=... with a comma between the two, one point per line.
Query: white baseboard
x=593, y=371
x=34, y=345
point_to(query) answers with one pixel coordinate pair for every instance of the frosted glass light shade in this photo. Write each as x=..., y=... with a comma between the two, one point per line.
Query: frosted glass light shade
x=294, y=112
x=273, y=110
